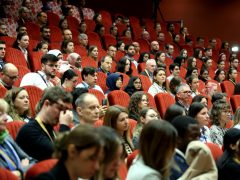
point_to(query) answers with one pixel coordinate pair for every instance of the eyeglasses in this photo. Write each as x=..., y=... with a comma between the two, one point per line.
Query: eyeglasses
x=12, y=77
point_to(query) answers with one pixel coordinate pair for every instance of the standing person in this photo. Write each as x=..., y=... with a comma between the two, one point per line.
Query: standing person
x=36, y=138
x=163, y=142
x=78, y=153
x=228, y=164
x=117, y=118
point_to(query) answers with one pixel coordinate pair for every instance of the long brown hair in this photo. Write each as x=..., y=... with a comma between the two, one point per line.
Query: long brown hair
x=159, y=138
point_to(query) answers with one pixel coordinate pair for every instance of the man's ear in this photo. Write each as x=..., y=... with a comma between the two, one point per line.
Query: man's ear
x=79, y=110
x=46, y=102
x=142, y=120
x=71, y=149
x=233, y=147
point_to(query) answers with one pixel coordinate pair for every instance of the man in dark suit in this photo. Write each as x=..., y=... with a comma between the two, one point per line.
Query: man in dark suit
x=150, y=68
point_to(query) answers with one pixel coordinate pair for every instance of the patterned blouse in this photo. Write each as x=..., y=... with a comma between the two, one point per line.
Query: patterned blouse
x=216, y=134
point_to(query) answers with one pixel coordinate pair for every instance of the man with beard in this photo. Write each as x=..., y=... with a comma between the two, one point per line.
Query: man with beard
x=41, y=79
x=75, y=61
x=37, y=136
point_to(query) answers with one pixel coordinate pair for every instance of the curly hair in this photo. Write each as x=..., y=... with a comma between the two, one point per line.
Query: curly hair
x=217, y=108
x=133, y=107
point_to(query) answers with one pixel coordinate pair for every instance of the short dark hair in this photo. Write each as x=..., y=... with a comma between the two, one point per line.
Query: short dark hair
x=69, y=74
x=181, y=124
x=76, y=93
x=127, y=46
x=48, y=58
x=88, y=70
x=2, y=42
x=172, y=66
x=44, y=27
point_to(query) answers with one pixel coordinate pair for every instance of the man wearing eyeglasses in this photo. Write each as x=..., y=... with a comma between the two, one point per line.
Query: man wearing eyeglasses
x=42, y=78
x=183, y=97
x=8, y=76
x=37, y=136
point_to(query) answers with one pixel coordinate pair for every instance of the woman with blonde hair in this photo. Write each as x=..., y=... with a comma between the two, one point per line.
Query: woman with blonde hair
x=117, y=118
x=19, y=105
x=158, y=141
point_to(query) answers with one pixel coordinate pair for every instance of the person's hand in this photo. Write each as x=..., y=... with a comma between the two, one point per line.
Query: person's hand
x=102, y=111
x=66, y=117
x=17, y=173
x=25, y=162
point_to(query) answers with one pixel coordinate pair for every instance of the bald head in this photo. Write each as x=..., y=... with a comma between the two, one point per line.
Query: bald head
x=74, y=59
x=9, y=75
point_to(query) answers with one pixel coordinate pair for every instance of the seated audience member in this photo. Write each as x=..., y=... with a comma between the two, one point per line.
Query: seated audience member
x=172, y=112
x=111, y=51
x=116, y=117
x=76, y=93
x=193, y=83
x=204, y=75
x=134, y=85
x=234, y=62
x=114, y=31
x=83, y=40
x=147, y=166
x=201, y=162
x=41, y=79
x=124, y=66
x=144, y=56
x=63, y=24
x=69, y=80
x=106, y=64
x=191, y=62
x=114, y=82
x=36, y=137
x=21, y=43
x=184, y=54
x=228, y=166
x=136, y=47
x=129, y=53
x=12, y=157
x=207, y=63
x=192, y=72
x=179, y=60
x=232, y=75
x=93, y=53
x=19, y=105
x=113, y=154
x=75, y=61
x=218, y=96
x=169, y=49
x=220, y=76
x=121, y=46
x=221, y=65
x=83, y=145
x=9, y=75
x=2, y=54
x=42, y=19
x=56, y=53
x=154, y=47
x=3, y=29
x=150, y=68
x=188, y=130
x=67, y=34
x=146, y=115
x=200, y=112
x=219, y=115
x=138, y=101
x=42, y=46
x=88, y=109
x=160, y=58
x=174, y=83
x=67, y=47
x=202, y=99
x=45, y=33
x=183, y=97
x=159, y=82
x=174, y=70
x=89, y=77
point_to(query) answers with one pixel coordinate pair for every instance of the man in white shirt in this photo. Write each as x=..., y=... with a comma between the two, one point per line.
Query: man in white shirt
x=174, y=70
x=89, y=77
x=41, y=79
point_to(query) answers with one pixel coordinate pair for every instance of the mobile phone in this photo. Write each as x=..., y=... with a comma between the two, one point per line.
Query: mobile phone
x=104, y=102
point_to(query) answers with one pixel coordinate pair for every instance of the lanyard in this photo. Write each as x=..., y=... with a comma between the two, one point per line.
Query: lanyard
x=47, y=84
x=44, y=128
x=11, y=164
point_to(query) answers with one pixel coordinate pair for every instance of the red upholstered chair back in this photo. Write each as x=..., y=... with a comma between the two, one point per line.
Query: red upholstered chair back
x=5, y=174
x=40, y=167
x=118, y=97
x=163, y=101
x=13, y=128
x=215, y=150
